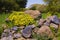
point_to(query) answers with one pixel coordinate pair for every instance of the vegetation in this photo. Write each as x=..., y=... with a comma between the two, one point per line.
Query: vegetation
x=20, y=18
x=52, y=5
x=40, y=7
x=9, y=5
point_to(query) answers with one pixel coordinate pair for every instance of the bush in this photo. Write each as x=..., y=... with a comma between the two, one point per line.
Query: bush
x=20, y=18
x=46, y=15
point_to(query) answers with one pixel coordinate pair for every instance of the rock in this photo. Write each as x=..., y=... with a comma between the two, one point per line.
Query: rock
x=31, y=39
x=21, y=27
x=7, y=30
x=35, y=30
x=47, y=23
x=27, y=31
x=15, y=28
x=17, y=35
x=13, y=31
x=10, y=34
x=21, y=38
x=4, y=38
x=45, y=30
x=54, y=19
x=33, y=13
x=9, y=38
x=41, y=22
x=7, y=20
x=54, y=25
x=4, y=35
x=4, y=26
x=55, y=38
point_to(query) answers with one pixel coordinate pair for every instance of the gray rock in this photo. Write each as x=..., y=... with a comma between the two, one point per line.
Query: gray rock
x=4, y=35
x=7, y=30
x=17, y=35
x=4, y=38
x=15, y=28
x=41, y=22
x=10, y=34
x=27, y=31
x=46, y=23
x=9, y=38
x=54, y=19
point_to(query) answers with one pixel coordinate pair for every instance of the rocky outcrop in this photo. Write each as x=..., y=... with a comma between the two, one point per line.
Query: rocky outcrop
x=33, y=13
x=45, y=30
x=27, y=31
x=54, y=19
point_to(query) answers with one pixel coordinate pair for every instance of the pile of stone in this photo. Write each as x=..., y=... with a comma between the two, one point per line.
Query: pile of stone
x=25, y=33
x=14, y=34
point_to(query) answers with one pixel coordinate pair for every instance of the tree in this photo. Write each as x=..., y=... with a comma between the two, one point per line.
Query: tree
x=21, y=3
x=40, y=7
x=9, y=5
x=53, y=5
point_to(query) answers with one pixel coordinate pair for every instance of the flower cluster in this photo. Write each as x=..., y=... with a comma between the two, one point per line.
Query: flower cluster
x=20, y=18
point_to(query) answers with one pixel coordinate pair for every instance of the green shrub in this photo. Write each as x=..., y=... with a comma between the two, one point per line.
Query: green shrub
x=45, y=15
x=58, y=33
x=20, y=18
x=53, y=30
x=58, y=38
x=58, y=14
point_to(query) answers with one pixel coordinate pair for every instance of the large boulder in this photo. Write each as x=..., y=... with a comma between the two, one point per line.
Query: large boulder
x=45, y=30
x=54, y=19
x=27, y=31
x=33, y=13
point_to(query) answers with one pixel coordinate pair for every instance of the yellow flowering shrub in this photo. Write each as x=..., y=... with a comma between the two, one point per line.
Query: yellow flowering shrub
x=20, y=18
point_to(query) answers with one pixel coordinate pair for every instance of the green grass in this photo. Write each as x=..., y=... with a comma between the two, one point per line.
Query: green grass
x=45, y=15
x=3, y=16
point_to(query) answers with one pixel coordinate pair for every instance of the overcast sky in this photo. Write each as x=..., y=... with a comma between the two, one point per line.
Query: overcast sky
x=30, y=2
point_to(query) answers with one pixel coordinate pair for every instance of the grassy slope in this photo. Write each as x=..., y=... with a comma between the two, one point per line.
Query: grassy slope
x=44, y=15
x=3, y=16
